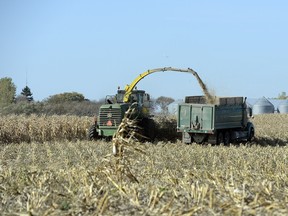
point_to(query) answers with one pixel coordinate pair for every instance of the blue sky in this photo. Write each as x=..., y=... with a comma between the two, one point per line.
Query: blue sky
x=239, y=48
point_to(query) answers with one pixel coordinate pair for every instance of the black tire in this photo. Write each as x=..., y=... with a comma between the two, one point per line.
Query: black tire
x=227, y=138
x=199, y=138
x=220, y=138
x=93, y=135
x=251, y=135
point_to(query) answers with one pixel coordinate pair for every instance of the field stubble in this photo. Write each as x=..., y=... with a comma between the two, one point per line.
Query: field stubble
x=74, y=177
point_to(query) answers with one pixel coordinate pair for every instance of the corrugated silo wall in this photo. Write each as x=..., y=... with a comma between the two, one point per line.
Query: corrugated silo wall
x=283, y=107
x=263, y=106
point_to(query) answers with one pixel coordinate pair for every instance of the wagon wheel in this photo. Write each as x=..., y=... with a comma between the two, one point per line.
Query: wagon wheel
x=227, y=138
x=220, y=138
x=251, y=134
x=199, y=138
x=92, y=135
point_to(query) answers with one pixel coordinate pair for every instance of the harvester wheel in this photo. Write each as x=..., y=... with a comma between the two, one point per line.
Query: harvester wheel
x=93, y=135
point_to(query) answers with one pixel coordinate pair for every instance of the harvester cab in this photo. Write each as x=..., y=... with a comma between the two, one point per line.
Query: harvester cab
x=140, y=97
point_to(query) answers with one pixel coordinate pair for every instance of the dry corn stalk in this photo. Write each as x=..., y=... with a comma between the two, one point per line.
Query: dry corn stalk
x=125, y=140
x=34, y=128
x=128, y=132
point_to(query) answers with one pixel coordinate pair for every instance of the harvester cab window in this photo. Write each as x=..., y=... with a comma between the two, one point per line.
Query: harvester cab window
x=146, y=101
x=120, y=97
x=146, y=97
x=110, y=99
x=134, y=98
x=140, y=101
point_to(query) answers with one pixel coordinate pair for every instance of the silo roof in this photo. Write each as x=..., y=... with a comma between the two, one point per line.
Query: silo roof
x=263, y=102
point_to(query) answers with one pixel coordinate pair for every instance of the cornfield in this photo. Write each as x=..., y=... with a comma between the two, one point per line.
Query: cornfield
x=48, y=168
x=20, y=128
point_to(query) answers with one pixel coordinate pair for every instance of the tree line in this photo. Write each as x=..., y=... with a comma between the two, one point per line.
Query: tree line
x=67, y=103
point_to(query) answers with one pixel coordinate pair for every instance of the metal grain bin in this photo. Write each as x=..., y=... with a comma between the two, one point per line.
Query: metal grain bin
x=263, y=106
x=283, y=106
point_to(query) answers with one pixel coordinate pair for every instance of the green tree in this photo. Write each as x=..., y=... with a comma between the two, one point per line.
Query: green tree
x=282, y=96
x=27, y=93
x=66, y=97
x=7, y=91
x=163, y=103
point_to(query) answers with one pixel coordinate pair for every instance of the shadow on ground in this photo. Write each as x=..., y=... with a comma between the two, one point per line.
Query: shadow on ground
x=269, y=141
